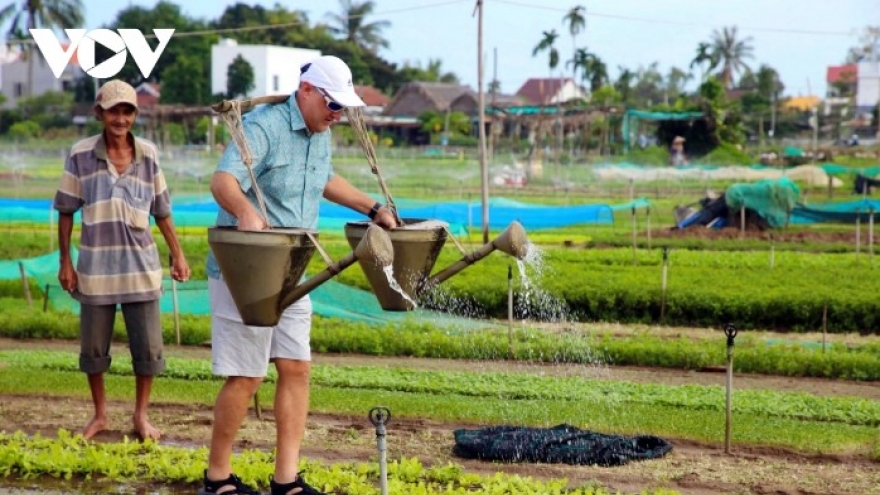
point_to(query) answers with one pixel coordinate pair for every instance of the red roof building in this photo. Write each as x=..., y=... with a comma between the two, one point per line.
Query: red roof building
x=372, y=96
x=550, y=90
x=842, y=80
x=842, y=73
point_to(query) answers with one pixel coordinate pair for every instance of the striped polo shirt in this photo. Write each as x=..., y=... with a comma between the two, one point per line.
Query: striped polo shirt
x=118, y=258
x=291, y=165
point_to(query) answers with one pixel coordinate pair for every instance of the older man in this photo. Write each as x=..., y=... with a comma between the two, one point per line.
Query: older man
x=114, y=177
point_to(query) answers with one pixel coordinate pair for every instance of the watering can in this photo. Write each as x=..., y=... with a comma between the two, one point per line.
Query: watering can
x=416, y=245
x=263, y=269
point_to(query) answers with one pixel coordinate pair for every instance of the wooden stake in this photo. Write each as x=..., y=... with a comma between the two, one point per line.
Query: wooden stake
x=858, y=233
x=871, y=236
x=772, y=252
x=663, y=284
x=24, y=283
x=635, y=236
x=824, y=325
x=509, y=312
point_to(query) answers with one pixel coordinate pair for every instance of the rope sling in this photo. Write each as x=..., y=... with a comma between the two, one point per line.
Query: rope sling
x=230, y=112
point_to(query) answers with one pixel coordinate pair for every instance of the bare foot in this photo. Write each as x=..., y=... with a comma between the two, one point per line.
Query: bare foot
x=95, y=426
x=146, y=431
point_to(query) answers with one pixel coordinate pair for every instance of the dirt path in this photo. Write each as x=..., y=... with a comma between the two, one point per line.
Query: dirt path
x=693, y=468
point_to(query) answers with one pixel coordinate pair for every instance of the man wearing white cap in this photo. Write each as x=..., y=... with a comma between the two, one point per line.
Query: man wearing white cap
x=291, y=149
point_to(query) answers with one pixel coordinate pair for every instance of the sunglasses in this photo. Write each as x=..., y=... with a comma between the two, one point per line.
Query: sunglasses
x=332, y=105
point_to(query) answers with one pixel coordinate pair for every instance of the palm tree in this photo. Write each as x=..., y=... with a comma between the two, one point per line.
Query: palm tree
x=350, y=23
x=580, y=61
x=547, y=44
x=705, y=54
x=31, y=14
x=623, y=85
x=730, y=53
x=576, y=23
x=593, y=69
x=596, y=72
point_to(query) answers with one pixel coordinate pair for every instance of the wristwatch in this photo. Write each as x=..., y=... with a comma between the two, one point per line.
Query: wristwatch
x=374, y=210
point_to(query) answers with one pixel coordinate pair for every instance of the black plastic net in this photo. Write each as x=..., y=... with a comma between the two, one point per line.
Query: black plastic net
x=559, y=444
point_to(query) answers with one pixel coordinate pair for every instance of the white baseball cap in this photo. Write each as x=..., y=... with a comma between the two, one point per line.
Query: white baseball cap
x=333, y=76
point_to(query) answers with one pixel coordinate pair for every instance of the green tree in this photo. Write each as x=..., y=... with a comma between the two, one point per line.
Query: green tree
x=25, y=130
x=351, y=24
x=576, y=22
x=648, y=89
x=432, y=73
x=606, y=95
x=167, y=15
x=547, y=44
x=239, y=78
x=675, y=82
x=706, y=59
x=438, y=123
x=869, y=42
x=30, y=14
x=288, y=28
x=731, y=53
x=179, y=85
x=623, y=84
x=725, y=119
x=50, y=109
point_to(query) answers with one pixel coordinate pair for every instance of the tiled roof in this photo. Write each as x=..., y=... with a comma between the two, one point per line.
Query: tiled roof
x=540, y=91
x=842, y=73
x=372, y=96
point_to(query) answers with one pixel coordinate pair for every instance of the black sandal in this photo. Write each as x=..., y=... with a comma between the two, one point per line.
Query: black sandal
x=299, y=482
x=240, y=488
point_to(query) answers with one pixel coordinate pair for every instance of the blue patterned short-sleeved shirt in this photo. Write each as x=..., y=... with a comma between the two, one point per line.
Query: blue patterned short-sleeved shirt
x=291, y=168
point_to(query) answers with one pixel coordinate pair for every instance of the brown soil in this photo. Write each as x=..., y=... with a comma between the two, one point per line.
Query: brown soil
x=692, y=468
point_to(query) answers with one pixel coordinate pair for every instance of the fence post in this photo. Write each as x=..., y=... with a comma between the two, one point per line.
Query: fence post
x=24, y=283
x=663, y=284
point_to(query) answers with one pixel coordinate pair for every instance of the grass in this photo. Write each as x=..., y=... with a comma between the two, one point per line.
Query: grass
x=607, y=412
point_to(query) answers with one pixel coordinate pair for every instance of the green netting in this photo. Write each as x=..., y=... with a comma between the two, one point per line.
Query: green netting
x=44, y=268
x=773, y=200
x=638, y=203
x=331, y=299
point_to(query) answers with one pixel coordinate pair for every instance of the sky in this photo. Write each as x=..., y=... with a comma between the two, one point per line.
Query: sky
x=799, y=38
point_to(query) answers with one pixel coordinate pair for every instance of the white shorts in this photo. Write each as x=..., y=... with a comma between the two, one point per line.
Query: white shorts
x=241, y=350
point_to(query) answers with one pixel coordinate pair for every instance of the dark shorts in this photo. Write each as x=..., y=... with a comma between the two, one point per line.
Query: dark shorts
x=142, y=324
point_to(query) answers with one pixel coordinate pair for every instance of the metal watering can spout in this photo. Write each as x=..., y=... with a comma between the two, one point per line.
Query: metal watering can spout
x=264, y=269
x=511, y=241
x=373, y=249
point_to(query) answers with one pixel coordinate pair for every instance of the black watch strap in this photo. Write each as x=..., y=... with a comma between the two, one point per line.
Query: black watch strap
x=374, y=210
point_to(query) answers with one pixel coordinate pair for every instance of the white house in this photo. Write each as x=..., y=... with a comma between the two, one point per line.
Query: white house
x=868, y=86
x=14, y=76
x=276, y=68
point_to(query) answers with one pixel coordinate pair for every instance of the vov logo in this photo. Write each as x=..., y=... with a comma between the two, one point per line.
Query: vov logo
x=82, y=43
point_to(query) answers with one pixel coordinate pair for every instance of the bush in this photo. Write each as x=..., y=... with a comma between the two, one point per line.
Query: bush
x=727, y=154
x=25, y=130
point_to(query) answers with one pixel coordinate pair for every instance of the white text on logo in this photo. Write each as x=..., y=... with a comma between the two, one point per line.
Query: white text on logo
x=83, y=44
